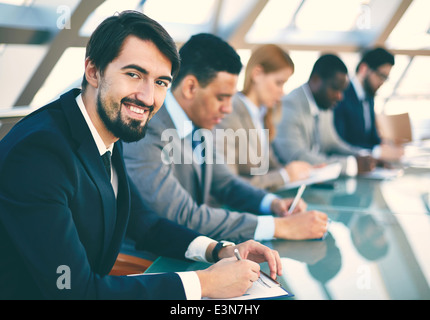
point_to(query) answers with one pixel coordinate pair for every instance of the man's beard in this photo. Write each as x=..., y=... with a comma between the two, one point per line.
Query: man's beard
x=128, y=131
x=370, y=92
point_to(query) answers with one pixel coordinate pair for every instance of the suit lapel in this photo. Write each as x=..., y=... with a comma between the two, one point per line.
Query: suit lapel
x=186, y=150
x=206, y=174
x=91, y=161
x=122, y=209
x=357, y=111
x=247, y=123
x=89, y=156
x=244, y=115
x=308, y=118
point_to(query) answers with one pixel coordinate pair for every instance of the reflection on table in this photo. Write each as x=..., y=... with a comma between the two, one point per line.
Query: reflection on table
x=378, y=245
x=407, y=194
x=364, y=256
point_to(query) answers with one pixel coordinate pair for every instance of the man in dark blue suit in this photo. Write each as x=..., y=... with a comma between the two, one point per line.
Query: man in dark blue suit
x=64, y=210
x=355, y=114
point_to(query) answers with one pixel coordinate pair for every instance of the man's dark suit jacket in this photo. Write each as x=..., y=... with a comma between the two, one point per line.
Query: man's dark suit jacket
x=58, y=208
x=349, y=121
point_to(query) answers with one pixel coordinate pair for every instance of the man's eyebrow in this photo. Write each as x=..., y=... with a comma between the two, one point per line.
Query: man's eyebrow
x=144, y=71
x=225, y=95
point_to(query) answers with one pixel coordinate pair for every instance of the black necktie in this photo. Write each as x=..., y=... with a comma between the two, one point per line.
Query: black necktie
x=195, y=141
x=107, y=162
x=317, y=142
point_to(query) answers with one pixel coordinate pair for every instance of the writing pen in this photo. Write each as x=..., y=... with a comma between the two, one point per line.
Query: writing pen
x=237, y=254
x=238, y=257
x=297, y=198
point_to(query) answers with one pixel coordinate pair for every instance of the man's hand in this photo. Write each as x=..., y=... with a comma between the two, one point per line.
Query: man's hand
x=255, y=251
x=301, y=226
x=298, y=170
x=280, y=206
x=365, y=163
x=391, y=152
x=230, y=277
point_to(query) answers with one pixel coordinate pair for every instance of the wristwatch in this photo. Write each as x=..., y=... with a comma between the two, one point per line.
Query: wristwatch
x=218, y=247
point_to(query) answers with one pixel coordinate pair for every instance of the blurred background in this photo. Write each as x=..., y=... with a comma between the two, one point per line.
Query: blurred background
x=42, y=42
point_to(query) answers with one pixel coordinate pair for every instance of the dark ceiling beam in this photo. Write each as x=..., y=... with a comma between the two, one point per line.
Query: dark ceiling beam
x=34, y=25
x=24, y=36
x=64, y=39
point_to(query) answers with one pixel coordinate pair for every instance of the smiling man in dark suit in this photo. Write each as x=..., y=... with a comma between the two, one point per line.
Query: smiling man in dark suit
x=61, y=208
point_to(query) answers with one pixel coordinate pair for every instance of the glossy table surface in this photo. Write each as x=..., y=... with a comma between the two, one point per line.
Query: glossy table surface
x=377, y=247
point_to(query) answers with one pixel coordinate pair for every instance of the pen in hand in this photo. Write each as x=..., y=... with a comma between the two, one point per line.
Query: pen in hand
x=237, y=254
x=238, y=257
x=297, y=198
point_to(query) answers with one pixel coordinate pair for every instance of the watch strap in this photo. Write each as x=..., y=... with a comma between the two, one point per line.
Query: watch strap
x=217, y=249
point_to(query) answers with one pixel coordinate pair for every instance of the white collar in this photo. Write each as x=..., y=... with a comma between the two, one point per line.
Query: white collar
x=96, y=136
x=182, y=123
x=312, y=104
x=257, y=113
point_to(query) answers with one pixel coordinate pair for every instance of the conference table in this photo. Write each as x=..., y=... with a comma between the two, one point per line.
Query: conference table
x=377, y=246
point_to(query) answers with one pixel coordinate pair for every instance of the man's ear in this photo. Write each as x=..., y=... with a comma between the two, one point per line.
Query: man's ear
x=315, y=82
x=189, y=86
x=363, y=69
x=91, y=73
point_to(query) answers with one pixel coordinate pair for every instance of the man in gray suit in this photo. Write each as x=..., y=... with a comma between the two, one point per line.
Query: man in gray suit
x=177, y=181
x=306, y=131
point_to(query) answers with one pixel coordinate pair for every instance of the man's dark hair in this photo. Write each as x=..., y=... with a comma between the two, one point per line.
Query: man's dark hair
x=106, y=42
x=327, y=66
x=204, y=55
x=375, y=58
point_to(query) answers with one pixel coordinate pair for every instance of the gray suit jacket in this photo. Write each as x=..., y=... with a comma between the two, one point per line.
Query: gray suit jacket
x=174, y=189
x=295, y=134
x=241, y=123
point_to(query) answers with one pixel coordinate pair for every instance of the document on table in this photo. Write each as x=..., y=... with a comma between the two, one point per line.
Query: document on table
x=417, y=161
x=383, y=174
x=263, y=288
x=329, y=172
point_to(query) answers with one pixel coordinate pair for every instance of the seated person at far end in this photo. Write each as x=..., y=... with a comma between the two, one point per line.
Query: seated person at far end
x=354, y=116
x=177, y=181
x=306, y=131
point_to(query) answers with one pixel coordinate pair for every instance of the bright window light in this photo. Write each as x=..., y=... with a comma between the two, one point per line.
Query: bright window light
x=184, y=11
x=412, y=31
x=276, y=16
x=13, y=2
x=328, y=15
x=416, y=81
x=106, y=9
x=68, y=71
